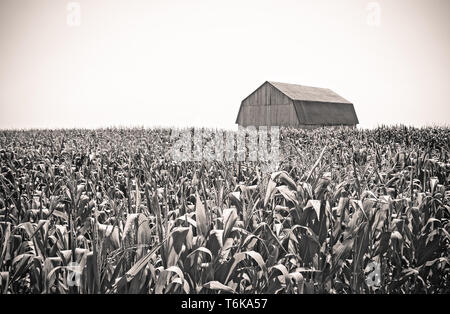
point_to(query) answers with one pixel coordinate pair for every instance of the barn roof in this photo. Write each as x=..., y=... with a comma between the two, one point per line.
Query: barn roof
x=307, y=93
x=315, y=105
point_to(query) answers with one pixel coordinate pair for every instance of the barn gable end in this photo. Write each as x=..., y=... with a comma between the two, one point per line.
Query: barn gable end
x=267, y=106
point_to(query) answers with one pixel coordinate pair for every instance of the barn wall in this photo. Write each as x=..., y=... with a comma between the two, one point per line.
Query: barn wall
x=267, y=106
x=323, y=113
x=317, y=126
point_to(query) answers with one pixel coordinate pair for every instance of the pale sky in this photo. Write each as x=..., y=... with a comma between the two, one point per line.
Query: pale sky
x=191, y=62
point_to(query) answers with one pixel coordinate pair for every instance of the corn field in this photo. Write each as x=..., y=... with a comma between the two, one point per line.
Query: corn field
x=347, y=211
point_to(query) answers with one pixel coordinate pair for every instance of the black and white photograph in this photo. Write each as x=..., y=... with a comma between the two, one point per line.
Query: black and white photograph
x=228, y=153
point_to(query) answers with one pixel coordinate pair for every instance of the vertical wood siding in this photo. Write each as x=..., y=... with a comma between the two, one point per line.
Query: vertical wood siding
x=267, y=106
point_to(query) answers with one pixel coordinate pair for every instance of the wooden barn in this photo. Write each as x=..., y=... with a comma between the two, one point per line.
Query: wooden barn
x=281, y=104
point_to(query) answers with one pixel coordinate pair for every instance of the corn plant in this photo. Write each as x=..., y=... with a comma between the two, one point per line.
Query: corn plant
x=347, y=211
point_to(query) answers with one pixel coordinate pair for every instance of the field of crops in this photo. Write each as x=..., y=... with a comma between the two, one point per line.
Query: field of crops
x=109, y=211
